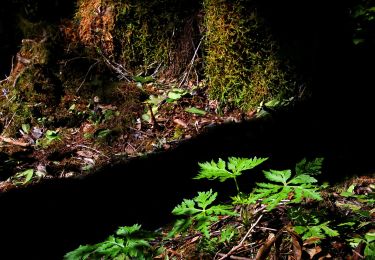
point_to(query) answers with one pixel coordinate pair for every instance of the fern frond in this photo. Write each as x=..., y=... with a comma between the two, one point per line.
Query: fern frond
x=180, y=226
x=205, y=198
x=304, y=191
x=278, y=176
x=221, y=210
x=329, y=231
x=302, y=178
x=212, y=170
x=300, y=186
x=128, y=230
x=309, y=167
x=242, y=164
x=200, y=213
x=272, y=201
x=187, y=207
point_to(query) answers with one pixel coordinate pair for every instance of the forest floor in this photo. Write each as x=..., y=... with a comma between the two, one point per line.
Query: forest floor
x=166, y=116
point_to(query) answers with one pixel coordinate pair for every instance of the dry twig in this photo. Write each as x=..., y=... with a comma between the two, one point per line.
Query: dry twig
x=235, y=248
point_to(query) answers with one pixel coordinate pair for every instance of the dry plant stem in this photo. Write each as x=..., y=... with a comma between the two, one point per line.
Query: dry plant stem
x=242, y=241
x=87, y=73
x=153, y=119
x=121, y=71
x=190, y=64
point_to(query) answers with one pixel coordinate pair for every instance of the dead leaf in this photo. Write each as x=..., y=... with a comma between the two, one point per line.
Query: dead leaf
x=325, y=257
x=86, y=154
x=296, y=241
x=180, y=122
x=266, y=248
x=313, y=251
x=311, y=240
x=129, y=149
x=166, y=146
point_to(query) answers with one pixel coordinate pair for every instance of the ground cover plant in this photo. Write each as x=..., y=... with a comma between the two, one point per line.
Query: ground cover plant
x=288, y=215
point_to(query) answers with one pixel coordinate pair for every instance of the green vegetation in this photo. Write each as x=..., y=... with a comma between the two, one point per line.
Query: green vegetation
x=128, y=243
x=242, y=62
x=363, y=16
x=199, y=217
x=291, y=198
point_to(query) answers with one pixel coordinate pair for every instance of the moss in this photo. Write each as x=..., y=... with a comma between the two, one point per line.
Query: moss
x=242, y=62
x=144, y=36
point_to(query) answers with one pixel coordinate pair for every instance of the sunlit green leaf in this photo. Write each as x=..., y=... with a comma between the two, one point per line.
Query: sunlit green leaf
x=196, y=111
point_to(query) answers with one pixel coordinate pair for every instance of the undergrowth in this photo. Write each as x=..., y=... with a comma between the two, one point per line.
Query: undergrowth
x=290, y=215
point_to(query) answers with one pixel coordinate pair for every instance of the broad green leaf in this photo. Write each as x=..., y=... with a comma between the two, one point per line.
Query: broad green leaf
x=26, y=128
x=29, y=174
x=370, y=237
x=195, y=110
x=143, y=79
x=369, y=251
x=154, y=100
x=174, y=95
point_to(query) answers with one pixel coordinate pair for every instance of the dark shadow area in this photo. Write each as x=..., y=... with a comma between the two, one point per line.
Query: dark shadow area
x=38, y=11
x=48, y=219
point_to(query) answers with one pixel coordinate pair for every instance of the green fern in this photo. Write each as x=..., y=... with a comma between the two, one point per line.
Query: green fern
x=313, y=167
x=200, y=215
x=129, y=242
x=301, y=185
x=319, y=231
x=227, y=170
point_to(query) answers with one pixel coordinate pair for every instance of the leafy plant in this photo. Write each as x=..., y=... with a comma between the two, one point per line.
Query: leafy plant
x=300, y=186
x=175, y=94
x=310, y=224
x=130, y=242
x=200, y=214
x=368, y=240
x=24, y=177
x=26, y=128
x=318, y=231
x=227, y=170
